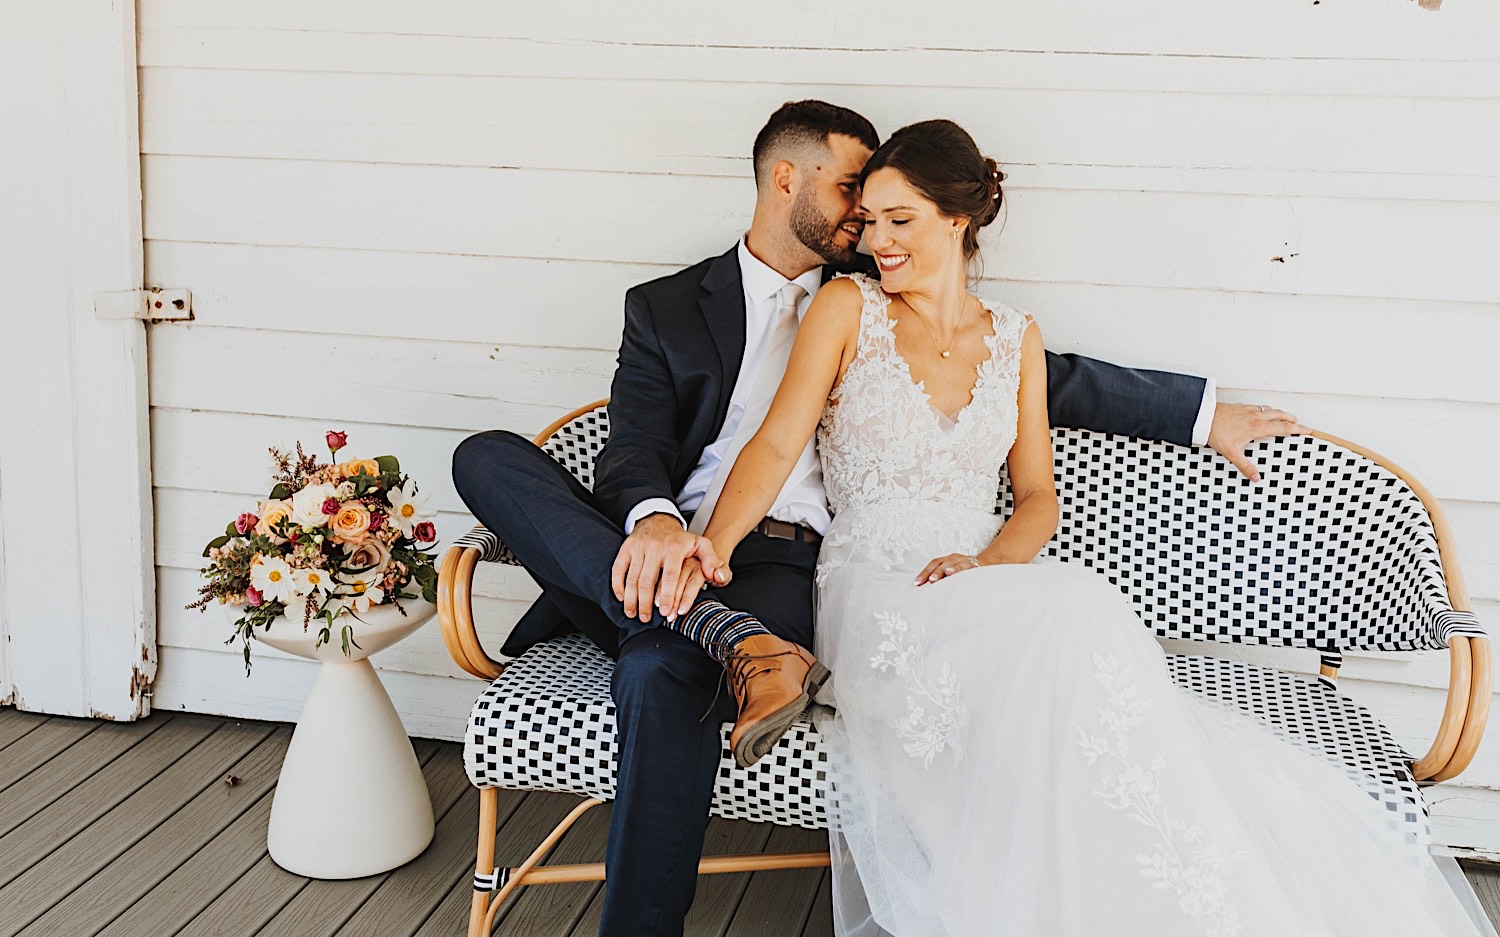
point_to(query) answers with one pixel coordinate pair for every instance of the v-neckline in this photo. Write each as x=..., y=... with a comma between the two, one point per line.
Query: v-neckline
x=921, y=386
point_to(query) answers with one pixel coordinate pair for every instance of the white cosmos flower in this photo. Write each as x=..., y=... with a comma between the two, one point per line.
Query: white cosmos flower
x=371, y=596
x=408, y=509
x=307, y=505
x=311, y=581
x=272, y=578
x=358, y=596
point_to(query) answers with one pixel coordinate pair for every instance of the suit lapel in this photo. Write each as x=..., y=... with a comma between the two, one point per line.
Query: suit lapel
x=723, y=306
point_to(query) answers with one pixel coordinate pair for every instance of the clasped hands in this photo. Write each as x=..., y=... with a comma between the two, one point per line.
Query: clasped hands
x=662, y=567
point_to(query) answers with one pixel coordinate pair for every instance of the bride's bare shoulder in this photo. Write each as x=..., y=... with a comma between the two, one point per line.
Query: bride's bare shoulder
x=838, y=301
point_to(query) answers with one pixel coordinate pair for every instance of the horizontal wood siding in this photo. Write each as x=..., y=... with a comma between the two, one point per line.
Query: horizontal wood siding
x=418, y=222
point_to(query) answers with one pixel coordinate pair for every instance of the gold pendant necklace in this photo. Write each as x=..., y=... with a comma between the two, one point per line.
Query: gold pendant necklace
x=932, y=337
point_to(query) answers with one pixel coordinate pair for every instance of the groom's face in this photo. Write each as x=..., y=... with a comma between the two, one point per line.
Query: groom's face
x=825, y=215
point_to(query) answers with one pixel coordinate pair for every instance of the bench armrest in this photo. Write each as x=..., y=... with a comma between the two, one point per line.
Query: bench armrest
x=1465, y=713
x=455, y=600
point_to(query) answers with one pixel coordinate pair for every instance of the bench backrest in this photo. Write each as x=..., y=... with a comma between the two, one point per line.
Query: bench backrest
x=1330, y=550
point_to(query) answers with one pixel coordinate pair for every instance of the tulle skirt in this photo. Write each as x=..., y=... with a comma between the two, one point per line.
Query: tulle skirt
x=1012, y=758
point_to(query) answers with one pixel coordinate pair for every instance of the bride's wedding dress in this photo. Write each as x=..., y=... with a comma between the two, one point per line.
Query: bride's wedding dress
x=1010, y=754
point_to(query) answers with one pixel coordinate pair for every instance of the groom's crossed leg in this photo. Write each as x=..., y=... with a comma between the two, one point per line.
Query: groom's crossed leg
x=668, y=692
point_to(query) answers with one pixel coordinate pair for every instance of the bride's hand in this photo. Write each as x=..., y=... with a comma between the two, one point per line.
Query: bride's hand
x=945, y=566
x=700, y=570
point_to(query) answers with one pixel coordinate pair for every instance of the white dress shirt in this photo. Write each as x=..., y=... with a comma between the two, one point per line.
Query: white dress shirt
x=803, y=502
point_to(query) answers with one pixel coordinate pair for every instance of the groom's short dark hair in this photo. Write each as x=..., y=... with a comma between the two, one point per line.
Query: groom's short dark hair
x=798, y=123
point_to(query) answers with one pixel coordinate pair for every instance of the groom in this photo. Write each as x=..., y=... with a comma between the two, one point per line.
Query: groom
x=693, y=344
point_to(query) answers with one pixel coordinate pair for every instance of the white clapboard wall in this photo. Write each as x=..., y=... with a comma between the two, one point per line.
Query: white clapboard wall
x=416, y=221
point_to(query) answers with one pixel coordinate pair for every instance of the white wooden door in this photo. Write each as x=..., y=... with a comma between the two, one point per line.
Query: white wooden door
x=77, y=587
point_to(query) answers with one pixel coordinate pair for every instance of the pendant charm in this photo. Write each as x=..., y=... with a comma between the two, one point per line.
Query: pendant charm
x=945, y=354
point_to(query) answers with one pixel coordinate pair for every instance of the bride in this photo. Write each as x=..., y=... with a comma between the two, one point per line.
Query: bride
x=1010, y=754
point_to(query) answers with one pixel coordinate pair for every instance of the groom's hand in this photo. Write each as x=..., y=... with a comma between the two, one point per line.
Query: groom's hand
x=649, y=564
x=1237, y=425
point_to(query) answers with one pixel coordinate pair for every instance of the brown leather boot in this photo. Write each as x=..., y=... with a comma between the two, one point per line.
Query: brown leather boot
x=773, y=682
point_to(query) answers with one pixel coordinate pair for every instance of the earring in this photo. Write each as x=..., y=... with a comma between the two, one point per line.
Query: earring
x=955, y=234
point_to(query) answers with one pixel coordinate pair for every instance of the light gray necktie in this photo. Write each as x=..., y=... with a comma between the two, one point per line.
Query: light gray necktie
x=767, y=379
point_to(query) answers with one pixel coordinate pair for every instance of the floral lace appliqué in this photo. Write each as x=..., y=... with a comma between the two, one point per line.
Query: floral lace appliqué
x=1183, y=860
x=925, y=734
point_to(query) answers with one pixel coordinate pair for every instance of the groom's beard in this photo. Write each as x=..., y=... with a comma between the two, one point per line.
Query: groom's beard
x=818, y=234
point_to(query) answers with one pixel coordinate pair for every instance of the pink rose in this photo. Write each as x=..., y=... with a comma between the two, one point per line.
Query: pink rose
x=336, y=441
x=331, y=506
x=425, y=532
x=246, y=522
x=377, y=520
x=253, y=596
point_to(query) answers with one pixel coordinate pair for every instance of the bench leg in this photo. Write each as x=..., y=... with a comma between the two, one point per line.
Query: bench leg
x=484, y=865
x=491, y=891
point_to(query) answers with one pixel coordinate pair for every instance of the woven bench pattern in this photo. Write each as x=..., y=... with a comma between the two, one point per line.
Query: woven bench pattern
x=547, y=723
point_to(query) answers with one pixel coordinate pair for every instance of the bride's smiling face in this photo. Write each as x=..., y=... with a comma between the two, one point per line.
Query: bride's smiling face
x=914, y=243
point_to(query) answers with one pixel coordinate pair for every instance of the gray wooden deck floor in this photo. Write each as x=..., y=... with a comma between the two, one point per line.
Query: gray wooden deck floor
x=126, y=829
x=132, y=829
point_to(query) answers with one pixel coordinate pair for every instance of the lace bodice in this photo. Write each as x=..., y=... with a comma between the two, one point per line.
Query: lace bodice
x=882, y=440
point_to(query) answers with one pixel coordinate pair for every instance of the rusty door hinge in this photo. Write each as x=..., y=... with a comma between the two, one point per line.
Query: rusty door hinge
x=153, y=305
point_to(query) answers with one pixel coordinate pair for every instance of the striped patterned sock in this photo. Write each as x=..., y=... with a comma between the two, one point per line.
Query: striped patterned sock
x=716, y=628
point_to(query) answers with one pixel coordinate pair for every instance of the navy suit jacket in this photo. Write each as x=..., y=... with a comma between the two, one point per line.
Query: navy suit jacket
x=679, y=361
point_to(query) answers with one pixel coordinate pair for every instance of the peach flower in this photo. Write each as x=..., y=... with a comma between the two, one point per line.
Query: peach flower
x=272, y=513
x=351, y=522
x=356, y=466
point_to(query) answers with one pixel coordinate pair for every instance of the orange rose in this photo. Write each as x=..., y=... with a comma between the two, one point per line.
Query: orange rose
x=357, y=466
x=351, y=522
x=271, y=514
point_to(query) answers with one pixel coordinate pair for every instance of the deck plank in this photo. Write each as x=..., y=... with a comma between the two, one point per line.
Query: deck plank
x=820, y=918
x=83, y=803
x=321, y=908
x=139, y=842
x=777, y=903
x=34, y=749
x=80, y=762
x=193, y=885
x=414, y=892
x=15, y=723
x=245, y=907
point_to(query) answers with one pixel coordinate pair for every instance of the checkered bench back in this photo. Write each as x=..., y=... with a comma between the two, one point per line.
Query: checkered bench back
x=1329, y=551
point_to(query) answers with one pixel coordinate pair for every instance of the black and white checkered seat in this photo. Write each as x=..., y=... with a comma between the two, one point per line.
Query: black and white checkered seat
x=1330, y=552
x=547, y=723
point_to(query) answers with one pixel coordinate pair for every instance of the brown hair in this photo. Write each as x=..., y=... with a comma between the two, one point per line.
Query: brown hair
x=797, y=123
x=938, y=158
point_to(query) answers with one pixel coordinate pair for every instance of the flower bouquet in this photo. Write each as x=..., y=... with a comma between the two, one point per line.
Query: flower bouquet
x=331, y=541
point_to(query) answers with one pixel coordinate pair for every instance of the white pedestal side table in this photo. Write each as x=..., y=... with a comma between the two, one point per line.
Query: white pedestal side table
x=351, y=800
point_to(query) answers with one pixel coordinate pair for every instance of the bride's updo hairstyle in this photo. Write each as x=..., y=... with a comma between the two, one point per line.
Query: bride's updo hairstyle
x=938, y=158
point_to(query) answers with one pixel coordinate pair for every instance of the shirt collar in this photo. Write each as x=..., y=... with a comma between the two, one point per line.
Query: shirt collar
x=762, y=283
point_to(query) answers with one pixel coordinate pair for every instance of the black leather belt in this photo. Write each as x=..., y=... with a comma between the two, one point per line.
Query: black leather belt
x=785, y=531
